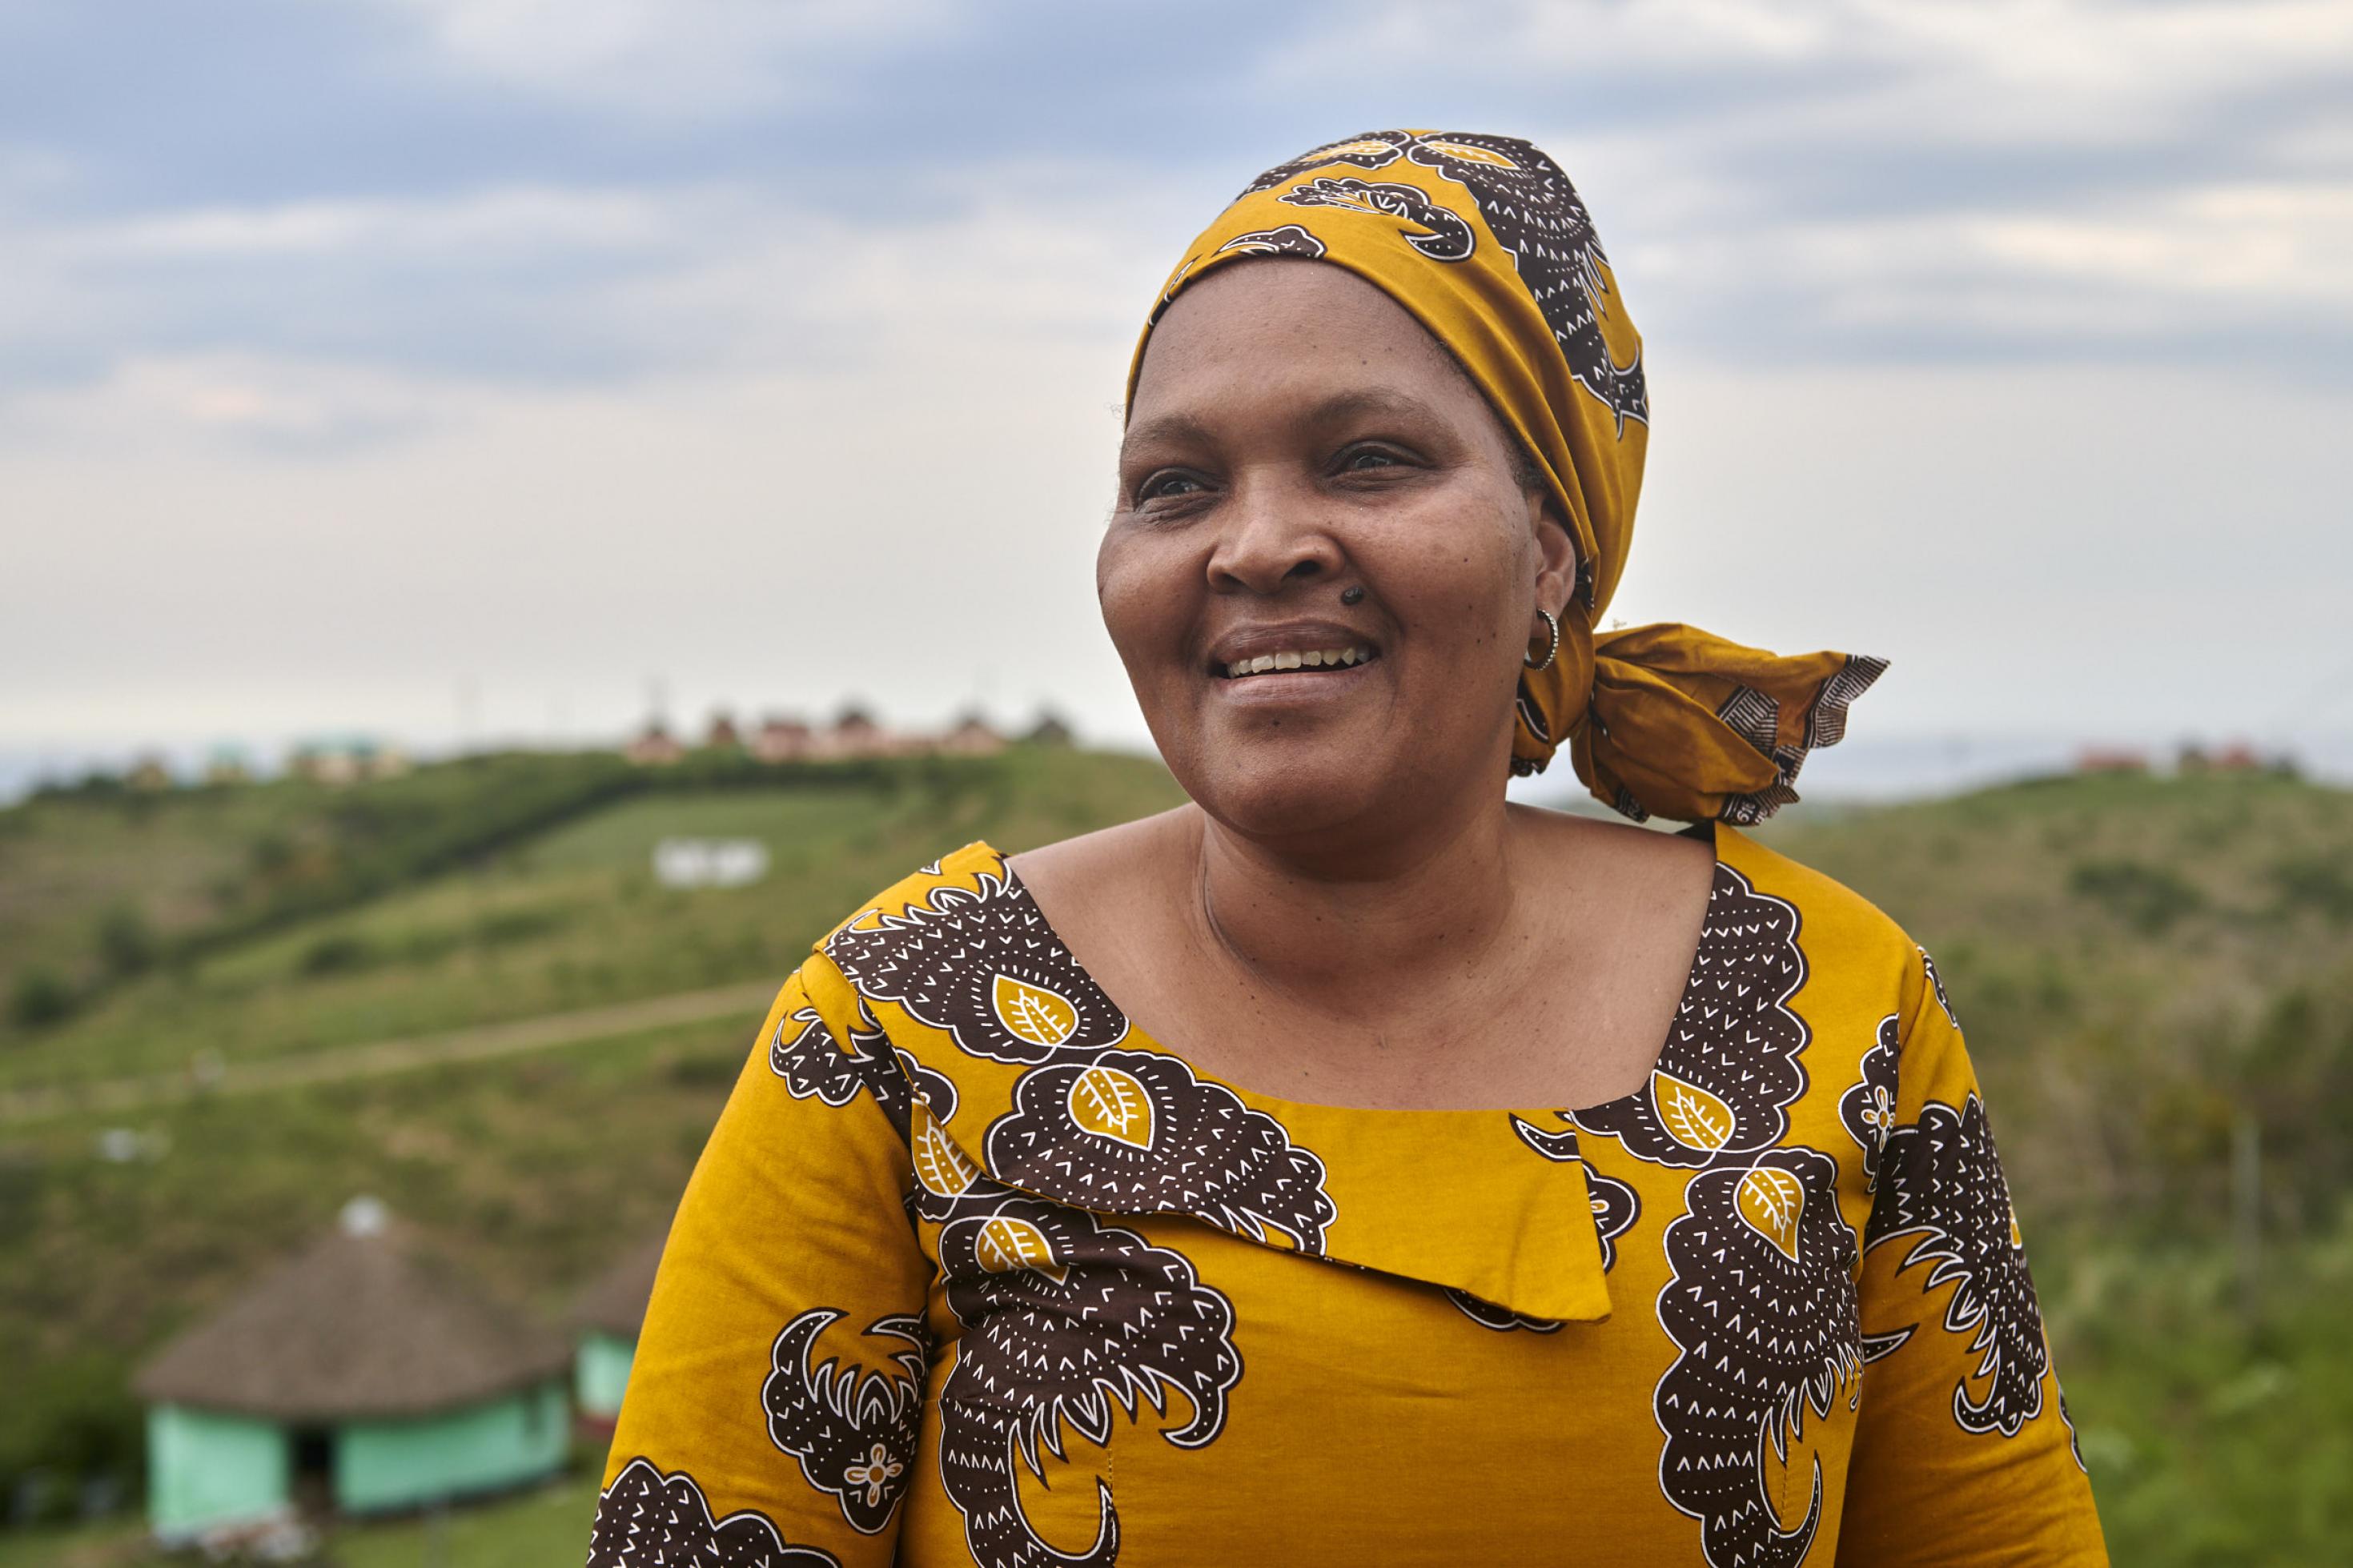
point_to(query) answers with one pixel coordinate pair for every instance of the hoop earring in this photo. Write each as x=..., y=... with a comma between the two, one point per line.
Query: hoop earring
x=1552, y=621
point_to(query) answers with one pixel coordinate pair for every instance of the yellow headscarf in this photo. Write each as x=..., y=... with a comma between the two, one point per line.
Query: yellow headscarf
x=1485, y=242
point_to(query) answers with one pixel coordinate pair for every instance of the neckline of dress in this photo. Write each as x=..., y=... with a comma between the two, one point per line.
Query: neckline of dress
x=1138, y=1038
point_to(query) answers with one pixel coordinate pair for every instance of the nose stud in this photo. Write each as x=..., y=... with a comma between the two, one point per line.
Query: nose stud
x=1352, y=595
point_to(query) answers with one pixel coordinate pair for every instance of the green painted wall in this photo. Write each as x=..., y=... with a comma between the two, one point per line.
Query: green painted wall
x=501, y=1443
x=601, y=1373
x=206, y=1469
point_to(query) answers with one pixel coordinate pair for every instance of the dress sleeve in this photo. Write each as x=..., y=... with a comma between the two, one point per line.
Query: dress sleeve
x=1964, y=1454
x=772, y=1410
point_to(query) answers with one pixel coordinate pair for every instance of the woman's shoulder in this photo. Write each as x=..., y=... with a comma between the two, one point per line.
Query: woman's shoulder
x=975, y=870
x=978, y=894
x=1845, y=940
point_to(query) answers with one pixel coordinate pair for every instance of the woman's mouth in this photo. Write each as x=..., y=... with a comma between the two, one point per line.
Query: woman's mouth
x=1288, y=659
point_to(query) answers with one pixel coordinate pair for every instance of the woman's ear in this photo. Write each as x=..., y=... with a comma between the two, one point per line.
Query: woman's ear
x=1557, y=547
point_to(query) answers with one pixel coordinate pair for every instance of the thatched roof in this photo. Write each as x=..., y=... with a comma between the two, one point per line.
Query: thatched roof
x=615, y=1301
x=362, y=1324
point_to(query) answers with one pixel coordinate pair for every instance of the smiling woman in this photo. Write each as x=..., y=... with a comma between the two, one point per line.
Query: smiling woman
x=1449, y=1181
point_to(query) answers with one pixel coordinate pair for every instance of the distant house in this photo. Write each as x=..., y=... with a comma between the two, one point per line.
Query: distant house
x=722, y=736
x=781, y=741
x=149, y=774
x=655, y=748
x=1050, y=730
x=854, y=733
x=2111, y=760
x=2235, y=757
x=361, y=1376
x=227, y=765
x=971, y=736
x=610, y=1316
x=346, y=759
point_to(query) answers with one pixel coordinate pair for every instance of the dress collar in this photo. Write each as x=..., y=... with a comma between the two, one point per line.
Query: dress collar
x=1033, y=1076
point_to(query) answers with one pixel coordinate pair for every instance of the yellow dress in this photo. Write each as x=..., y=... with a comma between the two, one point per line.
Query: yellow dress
x=972, y=1271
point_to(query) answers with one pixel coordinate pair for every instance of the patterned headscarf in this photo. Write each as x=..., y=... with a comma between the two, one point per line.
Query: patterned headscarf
x=1484, y=240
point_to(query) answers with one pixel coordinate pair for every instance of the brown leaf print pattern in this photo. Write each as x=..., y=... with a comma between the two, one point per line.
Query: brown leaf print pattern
x=1064, y=1319
x=1762, y=1306
x=1869, y=1108
x=983, y=966
x=852, y=1430
x=1943, y=1190
x=803, y=1053
x=1136, y=1132
x=647, y=1519
x=1729, y=1070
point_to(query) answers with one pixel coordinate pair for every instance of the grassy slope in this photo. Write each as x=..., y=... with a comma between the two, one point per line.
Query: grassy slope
x=2143, y=966
x=572, y=918
x=2138, y=964
x=537, y=1170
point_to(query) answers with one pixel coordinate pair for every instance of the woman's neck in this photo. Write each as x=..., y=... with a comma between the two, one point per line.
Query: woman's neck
x=1342, y=935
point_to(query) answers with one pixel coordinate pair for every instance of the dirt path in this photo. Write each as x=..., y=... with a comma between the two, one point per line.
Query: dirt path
x=379, y=1057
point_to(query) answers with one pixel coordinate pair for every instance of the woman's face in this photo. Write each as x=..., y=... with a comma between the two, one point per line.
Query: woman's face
x=1295, y=434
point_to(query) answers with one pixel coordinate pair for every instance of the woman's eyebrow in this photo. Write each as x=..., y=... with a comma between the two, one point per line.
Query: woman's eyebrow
x=1184, y=430
x=1343, y=406
x=1171, y=429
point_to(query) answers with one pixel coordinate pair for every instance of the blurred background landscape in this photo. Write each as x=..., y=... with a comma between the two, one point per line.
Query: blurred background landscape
x=236, y=1006
x=515, y=515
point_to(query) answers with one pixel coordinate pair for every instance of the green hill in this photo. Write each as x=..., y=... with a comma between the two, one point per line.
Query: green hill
x=2156, y=977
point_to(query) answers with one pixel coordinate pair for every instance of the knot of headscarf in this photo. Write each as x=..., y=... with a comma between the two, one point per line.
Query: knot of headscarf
x=1485, y=243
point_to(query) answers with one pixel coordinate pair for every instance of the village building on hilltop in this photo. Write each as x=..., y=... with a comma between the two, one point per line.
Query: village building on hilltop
x=854, y=734
x=610, y=1314
x=1050, y=730
x=226, y=764
x=781, y=740
x=654, y=747
x=971, y=736
x=346, y=759
x=362, y=1377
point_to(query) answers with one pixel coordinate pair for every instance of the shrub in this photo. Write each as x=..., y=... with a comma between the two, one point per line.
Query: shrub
x=2326, y=886
x=340, y=954
x=39, y=996
x=126, y=944
x=2148, y=898
x=504, y=926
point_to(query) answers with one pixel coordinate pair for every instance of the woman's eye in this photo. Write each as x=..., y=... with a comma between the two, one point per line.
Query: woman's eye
x=1166, y=486
x=1363, y=459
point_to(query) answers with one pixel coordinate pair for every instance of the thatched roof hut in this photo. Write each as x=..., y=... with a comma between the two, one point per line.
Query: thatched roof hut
x=609, y=1313
x=364, y=1372
x=615, y=1301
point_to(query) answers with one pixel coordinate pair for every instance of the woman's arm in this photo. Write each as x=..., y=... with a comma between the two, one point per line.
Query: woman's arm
x=773, y=1407
x=1964, y=1454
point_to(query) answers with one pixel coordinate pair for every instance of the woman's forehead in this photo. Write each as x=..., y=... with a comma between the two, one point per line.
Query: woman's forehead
x=1292, y=324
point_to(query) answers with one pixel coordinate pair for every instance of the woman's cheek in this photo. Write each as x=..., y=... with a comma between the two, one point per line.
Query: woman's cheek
x=1140, y=590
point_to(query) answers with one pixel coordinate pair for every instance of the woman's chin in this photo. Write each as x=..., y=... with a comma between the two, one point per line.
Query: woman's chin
x=1274, y=790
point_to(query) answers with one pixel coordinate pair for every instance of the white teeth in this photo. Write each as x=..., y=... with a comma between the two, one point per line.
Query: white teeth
x=1300, y=658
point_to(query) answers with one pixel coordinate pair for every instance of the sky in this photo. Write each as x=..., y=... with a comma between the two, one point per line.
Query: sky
x=463, y=372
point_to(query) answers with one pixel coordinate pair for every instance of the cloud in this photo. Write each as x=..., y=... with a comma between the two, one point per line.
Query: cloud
x=536, y=285
x=775, y=349
x=669, y=59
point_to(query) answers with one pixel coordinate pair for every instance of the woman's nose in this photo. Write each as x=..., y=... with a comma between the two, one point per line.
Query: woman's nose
x=1271, y=537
